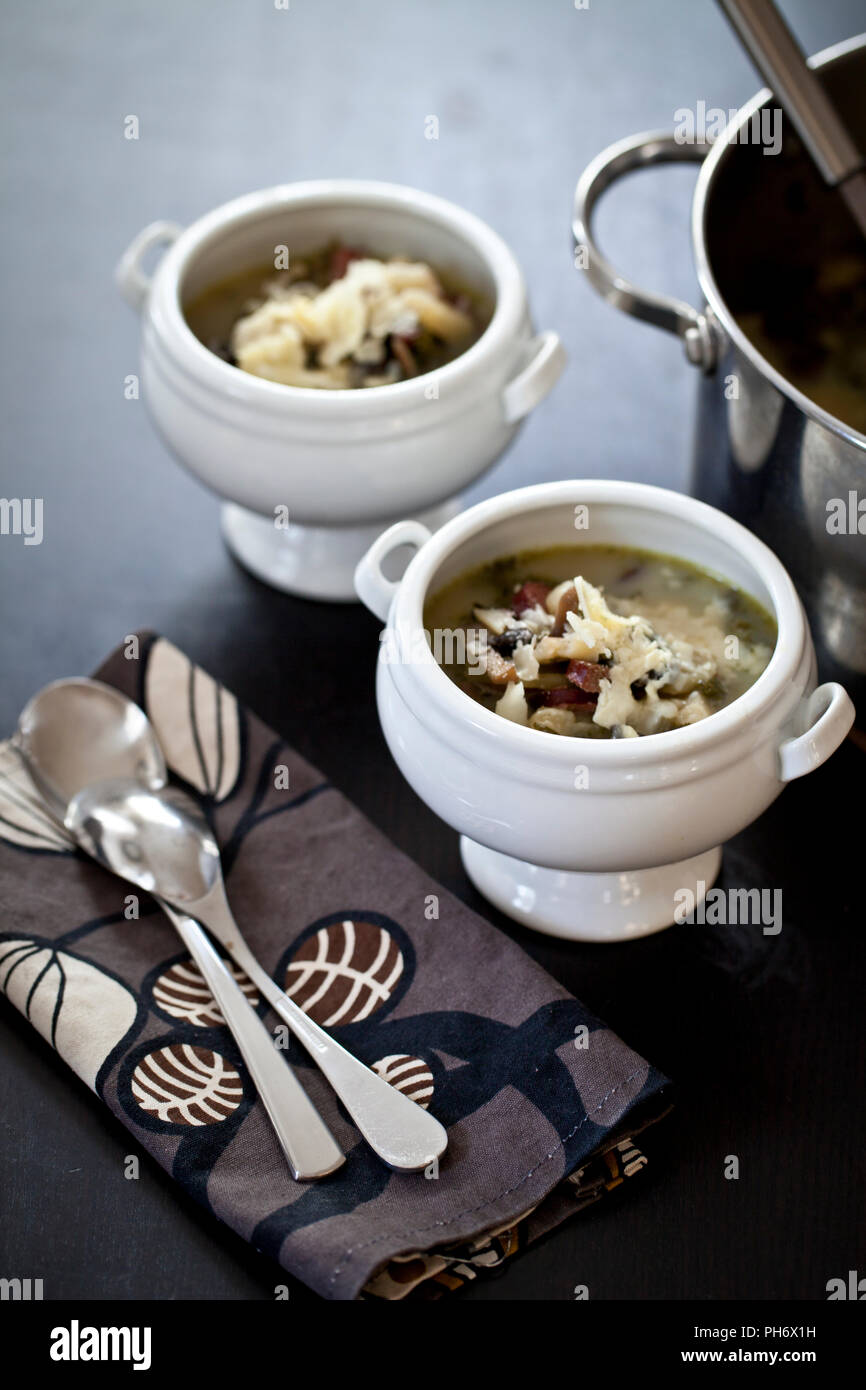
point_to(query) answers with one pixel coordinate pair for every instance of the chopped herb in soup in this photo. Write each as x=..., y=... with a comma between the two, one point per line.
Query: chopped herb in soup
x=338, y=319
x=599, y=641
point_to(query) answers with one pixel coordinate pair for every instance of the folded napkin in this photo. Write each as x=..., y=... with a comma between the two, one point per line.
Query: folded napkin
x=541, y=1100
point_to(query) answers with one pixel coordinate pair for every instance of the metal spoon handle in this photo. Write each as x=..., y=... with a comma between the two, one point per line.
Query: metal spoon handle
x=780, y=60
x=308, y=1144
x=396, y=1128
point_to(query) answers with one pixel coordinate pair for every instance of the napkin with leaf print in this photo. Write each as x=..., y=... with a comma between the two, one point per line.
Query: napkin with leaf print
x=542, y=1102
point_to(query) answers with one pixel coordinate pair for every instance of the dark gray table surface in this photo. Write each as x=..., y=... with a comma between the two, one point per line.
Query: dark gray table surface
x=762, y=1034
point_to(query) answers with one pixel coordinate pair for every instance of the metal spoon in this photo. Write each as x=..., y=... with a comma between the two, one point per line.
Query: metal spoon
x=160, y=841
x=781, y=62
x=74, y=732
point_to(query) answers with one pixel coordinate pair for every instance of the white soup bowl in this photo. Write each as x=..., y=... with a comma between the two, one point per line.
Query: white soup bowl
x=594, y=839
x=341, y=463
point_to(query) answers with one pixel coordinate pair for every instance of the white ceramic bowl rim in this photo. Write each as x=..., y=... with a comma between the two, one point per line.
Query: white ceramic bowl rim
x=508, y=311
x=407, y=619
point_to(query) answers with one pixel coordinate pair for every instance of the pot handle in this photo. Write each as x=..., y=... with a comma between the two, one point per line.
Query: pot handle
x=828, y=717
x=545, y=365
x=699, y=334
x=134, y=285
x=371, y=585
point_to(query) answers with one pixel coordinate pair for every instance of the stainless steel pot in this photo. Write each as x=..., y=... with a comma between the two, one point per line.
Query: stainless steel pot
x=764, y=452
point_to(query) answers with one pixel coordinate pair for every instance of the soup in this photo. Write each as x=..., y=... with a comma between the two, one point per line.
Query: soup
x=338, y=319
x=598, y=641
x=791, y=265
x=814, y=333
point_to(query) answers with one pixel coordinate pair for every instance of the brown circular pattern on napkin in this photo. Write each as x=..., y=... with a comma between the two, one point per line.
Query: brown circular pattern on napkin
x=186, y=1085
x=182, y=993
x=408, y=1074
x=344, y=972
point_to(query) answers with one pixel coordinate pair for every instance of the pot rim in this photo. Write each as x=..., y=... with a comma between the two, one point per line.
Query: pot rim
x=169, y=321
x=713, y=295
x=406, y=619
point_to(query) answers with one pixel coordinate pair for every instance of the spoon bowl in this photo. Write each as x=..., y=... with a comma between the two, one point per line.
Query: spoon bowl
x=160, y=842
x=74, y=732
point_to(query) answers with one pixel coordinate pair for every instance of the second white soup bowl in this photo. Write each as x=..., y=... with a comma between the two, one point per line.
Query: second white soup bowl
x=585, y=838
x=342, y=462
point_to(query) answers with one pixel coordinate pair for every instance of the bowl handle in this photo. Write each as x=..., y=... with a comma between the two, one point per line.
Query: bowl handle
x=371, y=585
x=828, y=716
x=134, y=285
x=698, y=332
x=547, y=359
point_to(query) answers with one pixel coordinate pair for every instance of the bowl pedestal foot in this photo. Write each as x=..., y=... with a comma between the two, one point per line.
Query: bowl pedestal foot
x=310, y=561
x=607, y=907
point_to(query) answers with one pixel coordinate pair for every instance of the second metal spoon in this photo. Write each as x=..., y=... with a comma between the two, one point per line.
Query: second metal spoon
x=161, y=841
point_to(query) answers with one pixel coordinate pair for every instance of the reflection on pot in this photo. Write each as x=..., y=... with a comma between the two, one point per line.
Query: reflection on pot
x=754, y=412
